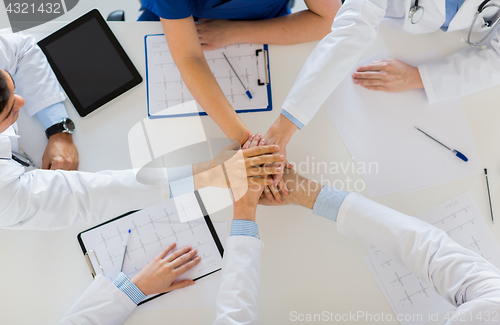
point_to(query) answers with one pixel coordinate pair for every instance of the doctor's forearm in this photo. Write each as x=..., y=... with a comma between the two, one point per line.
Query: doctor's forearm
x=300, y=27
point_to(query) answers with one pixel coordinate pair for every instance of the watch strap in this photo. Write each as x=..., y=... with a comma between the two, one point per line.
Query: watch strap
x=54, y=129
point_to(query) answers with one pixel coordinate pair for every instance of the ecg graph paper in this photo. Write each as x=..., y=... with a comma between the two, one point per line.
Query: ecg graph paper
x=462, y=220
x=167, y=89
x=153, y=229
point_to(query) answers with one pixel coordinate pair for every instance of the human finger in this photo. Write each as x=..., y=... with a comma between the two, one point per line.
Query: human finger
x=177, y=253
x=259, y=181
x=260, y=150
x=180, y=284
x=188, y=266
x=283, y=188
x=184, y=258
x=288, y=165
x=368, y=75
x=268, y=194
x=276, y=193
x=165, y=251
x=255, y=140
x=244, y=137
x=57, y=163
x=263, y=171
x=264, y=159
x=247, y=143
x=369, y=82
x=375, y=66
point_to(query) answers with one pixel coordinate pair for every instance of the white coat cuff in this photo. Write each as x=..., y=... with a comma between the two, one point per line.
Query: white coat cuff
x=343, y=211
x=297, y=113
x=426, y=81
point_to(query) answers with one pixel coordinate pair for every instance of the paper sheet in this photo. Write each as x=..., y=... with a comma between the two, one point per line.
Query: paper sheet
x=461, y=218
x=378, y=129
x=153, y=229
x=167, y=89
x=201, y=295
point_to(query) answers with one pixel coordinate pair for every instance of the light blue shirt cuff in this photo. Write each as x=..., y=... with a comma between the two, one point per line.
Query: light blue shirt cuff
x=244, y=228
x=292, y=119
x=180, y=180
x=129, y=288
x=52, y=115
x=328, y=202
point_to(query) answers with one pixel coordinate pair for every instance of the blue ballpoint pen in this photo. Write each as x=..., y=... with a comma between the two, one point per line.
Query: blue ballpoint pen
x=246, y=89
x=456, y=152
x=125, y=251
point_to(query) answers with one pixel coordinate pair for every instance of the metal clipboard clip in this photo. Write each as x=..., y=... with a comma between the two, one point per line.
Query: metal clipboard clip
x=266, y=67
x=91, y=266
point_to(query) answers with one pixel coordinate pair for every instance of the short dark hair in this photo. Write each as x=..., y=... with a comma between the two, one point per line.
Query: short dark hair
x=5, y=92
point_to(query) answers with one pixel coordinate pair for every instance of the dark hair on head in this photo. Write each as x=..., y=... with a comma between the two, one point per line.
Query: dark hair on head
x=5, y=92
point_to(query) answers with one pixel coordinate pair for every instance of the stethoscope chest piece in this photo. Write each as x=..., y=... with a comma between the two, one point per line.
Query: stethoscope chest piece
x=416, y=13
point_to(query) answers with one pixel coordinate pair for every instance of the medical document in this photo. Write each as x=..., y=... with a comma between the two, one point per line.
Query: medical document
x=166, y=89
x=378, y=129
x=152, y=229
x=462, y=220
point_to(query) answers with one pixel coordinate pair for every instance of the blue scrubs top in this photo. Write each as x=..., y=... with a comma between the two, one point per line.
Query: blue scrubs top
x=218, y=9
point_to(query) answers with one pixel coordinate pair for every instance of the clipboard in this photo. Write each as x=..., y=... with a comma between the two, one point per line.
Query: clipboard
x=97, y=259
x=167, y=93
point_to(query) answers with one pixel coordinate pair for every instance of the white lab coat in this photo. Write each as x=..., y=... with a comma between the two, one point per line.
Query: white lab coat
x=462, y=277
x=104, y=304
x=49, y=200
x=355, y=27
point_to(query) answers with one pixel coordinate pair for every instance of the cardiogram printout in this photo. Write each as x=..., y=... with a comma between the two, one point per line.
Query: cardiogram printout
x=463, y=222
x=152, y=230
x=166, y=89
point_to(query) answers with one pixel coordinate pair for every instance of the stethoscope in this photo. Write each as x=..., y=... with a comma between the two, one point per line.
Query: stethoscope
x=417, y=12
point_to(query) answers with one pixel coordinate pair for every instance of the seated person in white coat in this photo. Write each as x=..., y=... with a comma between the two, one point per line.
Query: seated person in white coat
x=355, y=27
x=39, y=91
x=54, y=199
x=104, y=303
x=459, y=275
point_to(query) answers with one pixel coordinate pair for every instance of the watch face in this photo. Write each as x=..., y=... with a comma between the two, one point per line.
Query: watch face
x=69, y=126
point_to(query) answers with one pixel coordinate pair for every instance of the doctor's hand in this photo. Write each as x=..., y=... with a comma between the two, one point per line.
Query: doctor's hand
x=158, y=275
x=60, y=153
x=388, y=75
x=279, y=134
x=214, y=34
x=303, y=191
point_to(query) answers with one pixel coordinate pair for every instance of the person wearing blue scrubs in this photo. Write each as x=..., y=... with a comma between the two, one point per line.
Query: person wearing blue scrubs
x=196, y=25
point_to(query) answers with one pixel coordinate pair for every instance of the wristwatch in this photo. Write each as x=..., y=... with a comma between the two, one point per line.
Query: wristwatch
x=65, y=126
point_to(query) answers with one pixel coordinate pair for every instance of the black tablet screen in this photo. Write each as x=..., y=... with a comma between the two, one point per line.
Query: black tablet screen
x=90, y=63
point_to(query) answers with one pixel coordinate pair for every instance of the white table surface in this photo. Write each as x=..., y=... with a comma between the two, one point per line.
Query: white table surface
x=307, y=266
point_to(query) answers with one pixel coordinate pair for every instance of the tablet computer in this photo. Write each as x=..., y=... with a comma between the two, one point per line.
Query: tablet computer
x=89, y=62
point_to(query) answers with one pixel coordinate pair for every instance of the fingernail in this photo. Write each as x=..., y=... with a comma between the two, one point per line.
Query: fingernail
x=276, y=183
x=277, y=147
x=278, y=170
x=271, y=200
x=280, y=201
x=282, y=157
x=191, y=284
x=356, y=81
x=198, y=258
x=286, y=193
x=258, y=135
x=172, y=244
x=193, y=251
x=187, y=248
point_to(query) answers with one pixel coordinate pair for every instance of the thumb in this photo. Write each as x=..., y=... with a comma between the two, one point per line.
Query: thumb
x=180, y=284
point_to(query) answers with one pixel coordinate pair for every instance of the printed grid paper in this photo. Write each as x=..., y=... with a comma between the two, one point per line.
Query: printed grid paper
x=153, y=229
x=166, y=89
x=462, y=220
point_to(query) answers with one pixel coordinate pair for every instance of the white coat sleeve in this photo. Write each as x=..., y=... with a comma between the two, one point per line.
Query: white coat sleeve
x=462, y=277
x=462, y=73
x=35, y=80
x=101, y=304
x=50, y=200
x=353, y=30
x=237, y=300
